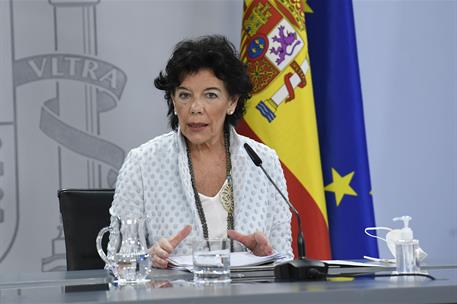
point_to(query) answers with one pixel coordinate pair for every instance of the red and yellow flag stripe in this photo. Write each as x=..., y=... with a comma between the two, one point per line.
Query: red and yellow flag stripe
x=281, y=111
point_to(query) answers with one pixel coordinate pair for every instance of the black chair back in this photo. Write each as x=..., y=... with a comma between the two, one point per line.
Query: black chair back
x=84, y=212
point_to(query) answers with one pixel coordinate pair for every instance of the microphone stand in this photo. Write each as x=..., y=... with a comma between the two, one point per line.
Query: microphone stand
x=301, y=269
x=300, y=237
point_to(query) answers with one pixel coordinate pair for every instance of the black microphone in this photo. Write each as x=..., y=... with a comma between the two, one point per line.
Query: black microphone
x=300, y=238
x=296, y=270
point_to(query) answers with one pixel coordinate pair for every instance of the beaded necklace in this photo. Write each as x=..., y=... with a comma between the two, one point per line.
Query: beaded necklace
x=226, y=195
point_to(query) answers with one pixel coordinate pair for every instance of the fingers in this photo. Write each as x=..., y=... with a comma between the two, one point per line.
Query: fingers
x=161, y=250
x=263, y=245
x=159, y=254
x=247, y=240
x=159, y=262
x=256, y=242
x=181, y=235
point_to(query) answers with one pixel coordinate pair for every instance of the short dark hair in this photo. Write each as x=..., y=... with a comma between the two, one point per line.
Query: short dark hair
x=216, y=53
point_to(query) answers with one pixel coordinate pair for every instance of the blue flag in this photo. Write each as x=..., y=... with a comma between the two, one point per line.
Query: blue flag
x=339, y=110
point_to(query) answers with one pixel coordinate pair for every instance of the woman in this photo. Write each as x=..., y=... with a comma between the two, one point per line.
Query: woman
x=198, y=181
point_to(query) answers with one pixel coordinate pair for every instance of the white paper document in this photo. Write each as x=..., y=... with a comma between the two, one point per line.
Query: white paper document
x=349, y=263
x=237, y=259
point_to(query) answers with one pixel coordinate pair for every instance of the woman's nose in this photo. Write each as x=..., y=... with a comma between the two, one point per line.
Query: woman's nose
x=197, y=106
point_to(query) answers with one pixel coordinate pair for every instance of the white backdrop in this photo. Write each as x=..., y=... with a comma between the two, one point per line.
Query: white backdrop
x=61, y=133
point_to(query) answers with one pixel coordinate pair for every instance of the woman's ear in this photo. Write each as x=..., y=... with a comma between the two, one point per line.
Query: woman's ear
x=233, y=104
x=173, y=103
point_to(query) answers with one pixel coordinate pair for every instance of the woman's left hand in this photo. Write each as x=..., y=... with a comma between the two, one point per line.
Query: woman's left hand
x=257, y=242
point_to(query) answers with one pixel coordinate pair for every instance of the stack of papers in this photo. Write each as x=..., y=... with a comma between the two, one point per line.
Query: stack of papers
x=349, y=263
x=237, y=259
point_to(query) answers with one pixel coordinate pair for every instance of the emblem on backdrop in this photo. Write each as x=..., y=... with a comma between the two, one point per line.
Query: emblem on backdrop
x=79, y=88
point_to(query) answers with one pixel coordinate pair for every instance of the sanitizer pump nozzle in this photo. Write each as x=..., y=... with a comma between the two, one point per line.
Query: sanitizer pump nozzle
x=406, y=233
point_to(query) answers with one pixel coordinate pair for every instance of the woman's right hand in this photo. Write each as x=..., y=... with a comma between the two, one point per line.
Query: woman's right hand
x=161, y=250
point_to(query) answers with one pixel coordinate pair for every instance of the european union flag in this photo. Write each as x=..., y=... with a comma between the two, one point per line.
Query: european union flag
x=339, y=110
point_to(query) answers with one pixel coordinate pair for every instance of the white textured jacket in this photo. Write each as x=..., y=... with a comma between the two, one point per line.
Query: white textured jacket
x=155, y=181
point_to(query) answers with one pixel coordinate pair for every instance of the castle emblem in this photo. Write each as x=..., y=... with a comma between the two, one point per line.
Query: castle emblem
x=270, y=45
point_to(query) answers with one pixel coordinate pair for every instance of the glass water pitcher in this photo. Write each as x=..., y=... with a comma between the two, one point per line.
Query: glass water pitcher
x=127, y=258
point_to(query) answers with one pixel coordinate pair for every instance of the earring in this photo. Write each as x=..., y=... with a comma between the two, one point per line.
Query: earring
x=229, y=112
x=174, y=112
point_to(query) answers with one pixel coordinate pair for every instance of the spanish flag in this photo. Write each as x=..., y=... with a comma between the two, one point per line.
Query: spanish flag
x=281, y=112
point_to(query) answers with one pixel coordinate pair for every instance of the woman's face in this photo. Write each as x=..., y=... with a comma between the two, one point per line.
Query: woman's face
x=201, y=102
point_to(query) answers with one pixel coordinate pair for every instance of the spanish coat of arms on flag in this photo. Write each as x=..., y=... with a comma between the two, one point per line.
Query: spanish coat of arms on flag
x=281, y=112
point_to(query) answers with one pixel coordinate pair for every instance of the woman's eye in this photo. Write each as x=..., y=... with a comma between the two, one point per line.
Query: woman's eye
x=184, y=95
x=211, y=95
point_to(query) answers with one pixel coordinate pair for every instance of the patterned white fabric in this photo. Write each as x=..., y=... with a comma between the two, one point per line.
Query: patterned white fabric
x=154, y=181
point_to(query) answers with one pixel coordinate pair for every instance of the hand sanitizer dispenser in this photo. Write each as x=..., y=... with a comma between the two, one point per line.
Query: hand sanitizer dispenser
x=405, y=248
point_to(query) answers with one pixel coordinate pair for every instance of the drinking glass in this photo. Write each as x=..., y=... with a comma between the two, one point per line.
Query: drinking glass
x=211, y=260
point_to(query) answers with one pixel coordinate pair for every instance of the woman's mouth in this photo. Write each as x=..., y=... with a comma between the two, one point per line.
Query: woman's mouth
x=197, y=126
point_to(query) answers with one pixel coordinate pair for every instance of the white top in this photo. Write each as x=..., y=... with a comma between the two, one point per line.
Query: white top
x=215, y=214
